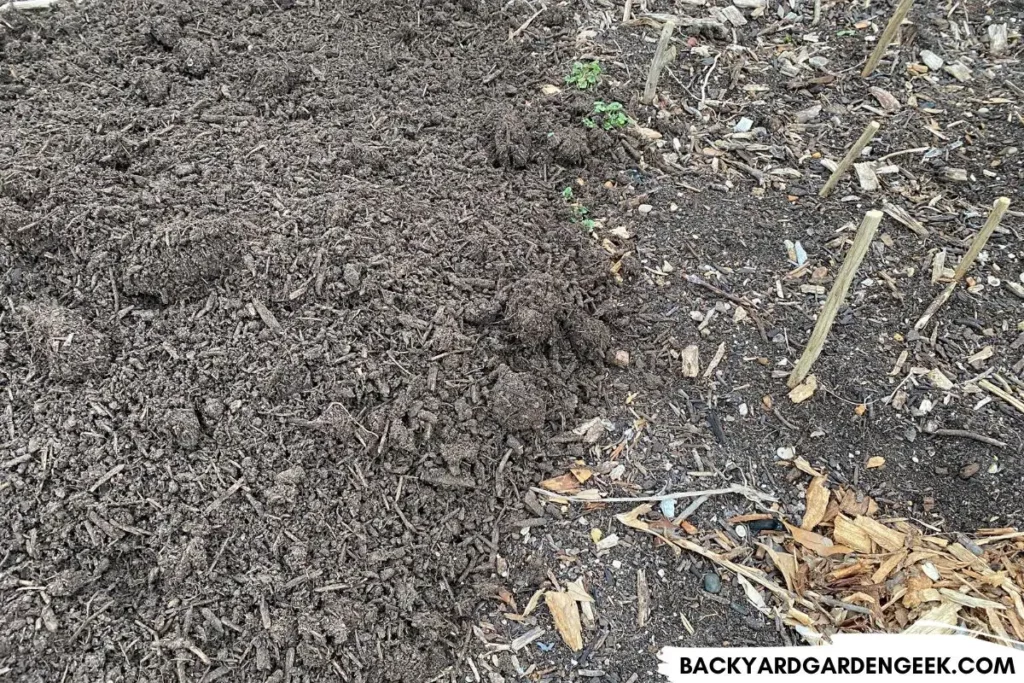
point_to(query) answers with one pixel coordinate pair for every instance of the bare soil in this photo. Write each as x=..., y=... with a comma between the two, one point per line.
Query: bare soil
x=294, y=309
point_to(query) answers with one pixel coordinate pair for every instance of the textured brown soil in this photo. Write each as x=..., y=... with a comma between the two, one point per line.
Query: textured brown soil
x=292, y=307
x=269, y=268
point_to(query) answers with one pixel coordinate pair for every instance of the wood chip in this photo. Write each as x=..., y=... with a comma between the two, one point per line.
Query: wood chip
x=817, y=497
x=566, y=615
x=691, y=361
x=849, y=534
x=882, y=535
x=643, y=599
x=804, y=390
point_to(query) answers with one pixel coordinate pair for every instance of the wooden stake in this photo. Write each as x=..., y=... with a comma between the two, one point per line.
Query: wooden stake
x=999, y=208
x=902, y=10
x=865, y=233
x=848, y=160
x=663, y=54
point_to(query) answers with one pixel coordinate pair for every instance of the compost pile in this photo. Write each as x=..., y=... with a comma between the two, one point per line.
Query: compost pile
x=282, y=326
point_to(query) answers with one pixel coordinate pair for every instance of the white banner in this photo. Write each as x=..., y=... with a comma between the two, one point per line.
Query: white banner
x=850, y=658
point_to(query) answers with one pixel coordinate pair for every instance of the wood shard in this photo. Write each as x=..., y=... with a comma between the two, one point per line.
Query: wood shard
x=566, y=615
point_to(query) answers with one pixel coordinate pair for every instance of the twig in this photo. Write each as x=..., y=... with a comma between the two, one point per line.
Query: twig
x=998, y=209
x=1001, y=393
x=663, y=54
x=776, y=413
x=232, y=490
x=857, y=609
x=627, y=11
x=887, y=35
x=749, y=307
x=526, y=24
x=690, y=509
x=861, y=241
x=707, y=77
x=745, y=491
x=970, y=435
x=848, y=160
x=901, y=216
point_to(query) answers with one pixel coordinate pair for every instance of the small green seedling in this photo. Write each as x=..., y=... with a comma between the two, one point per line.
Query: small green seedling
x=612, y=116
x=578, y=211
x=584, y=75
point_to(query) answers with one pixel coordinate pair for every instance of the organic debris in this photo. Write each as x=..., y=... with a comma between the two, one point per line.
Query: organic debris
x=845, y=570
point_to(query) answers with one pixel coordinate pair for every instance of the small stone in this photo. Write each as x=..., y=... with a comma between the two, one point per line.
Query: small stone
x=644, y=208
x=351, y=275
x=712, y=583
x=958, y=71
x=931, y=60
x=743, y=125
x=620, y=359
x=740, y=530
x=969, y=470
x=818, y=62
x=997, y=39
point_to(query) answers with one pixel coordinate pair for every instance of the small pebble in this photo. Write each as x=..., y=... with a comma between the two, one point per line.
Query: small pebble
x=712, y=582
x=740, y=530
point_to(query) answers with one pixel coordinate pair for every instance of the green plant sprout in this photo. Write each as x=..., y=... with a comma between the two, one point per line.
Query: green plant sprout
x=584, y=75
x=612, y=116
x=578, y=212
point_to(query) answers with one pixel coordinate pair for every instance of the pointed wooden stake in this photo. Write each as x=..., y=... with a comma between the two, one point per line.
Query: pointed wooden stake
x=850, y=157
x=999, y=208
x=663, y=54
x=902, y=10
x=865, y=233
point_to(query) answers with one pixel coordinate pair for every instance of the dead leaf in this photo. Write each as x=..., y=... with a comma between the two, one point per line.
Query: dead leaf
x=786, y=564
x=565, y=483
x=816, y=542
x=566, y=615
x=817, y=502
x=632, y=518
x=532, y=604
x=754, y=596
x=582, y=474
x=806, y=468
x=506, y=597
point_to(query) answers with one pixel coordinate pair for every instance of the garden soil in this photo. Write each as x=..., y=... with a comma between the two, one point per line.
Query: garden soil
x=292, y=308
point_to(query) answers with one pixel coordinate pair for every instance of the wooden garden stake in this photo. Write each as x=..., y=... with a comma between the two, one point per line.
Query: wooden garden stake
x=865, y=233
x=902, y=10
x=663, y=54
x=850, y=157
x=999, y=208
